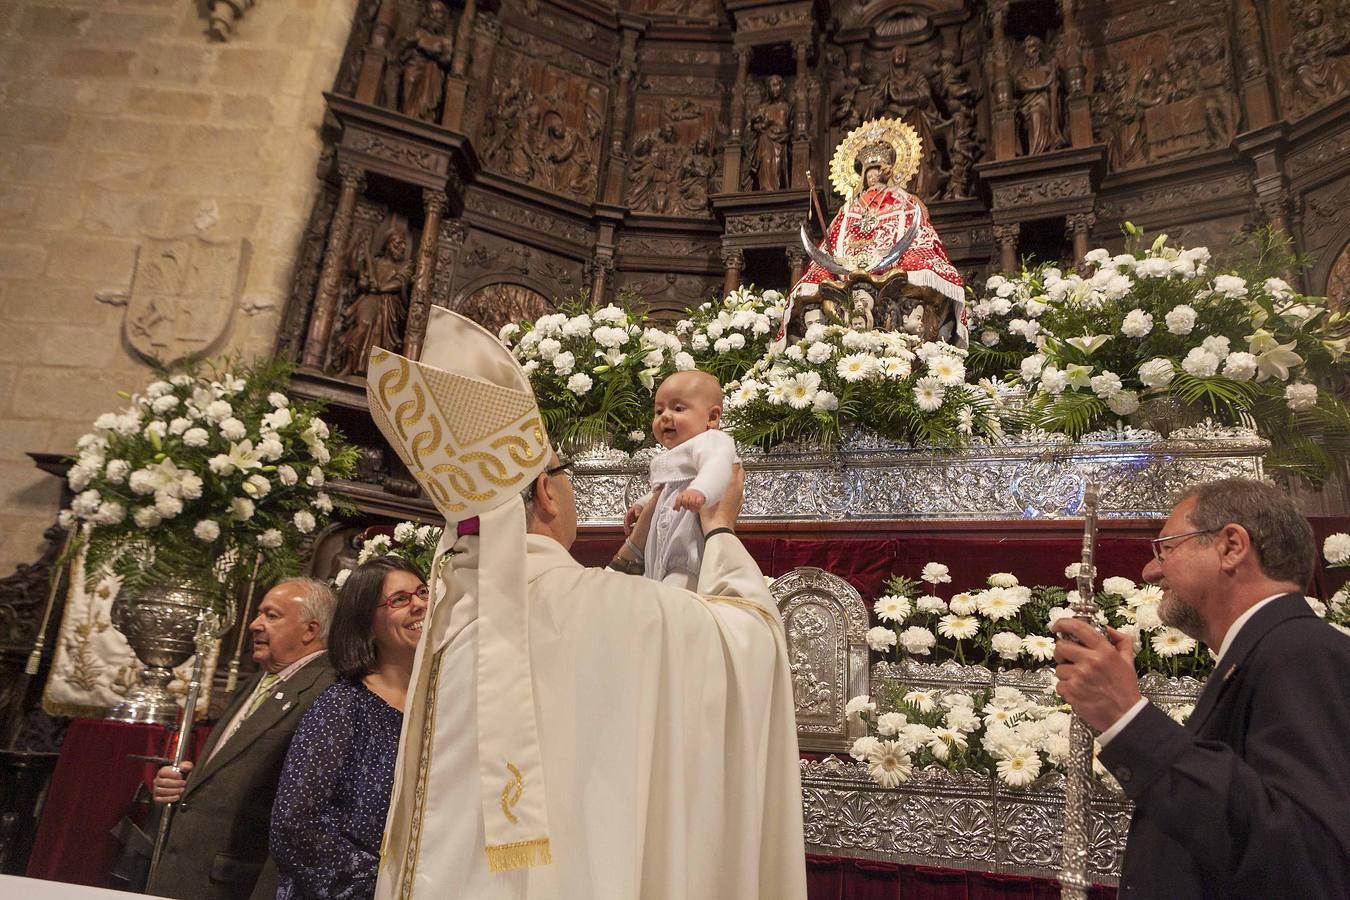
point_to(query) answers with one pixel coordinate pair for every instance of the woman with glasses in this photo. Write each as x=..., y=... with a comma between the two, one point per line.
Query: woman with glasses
x=328, y=817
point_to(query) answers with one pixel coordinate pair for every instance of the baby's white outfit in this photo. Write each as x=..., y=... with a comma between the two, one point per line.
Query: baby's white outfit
x=674, y=548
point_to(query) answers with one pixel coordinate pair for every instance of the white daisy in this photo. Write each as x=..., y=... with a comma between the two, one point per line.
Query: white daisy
x=1020, y=767
x=887, y=765
x=958, y=627
x=928, y=393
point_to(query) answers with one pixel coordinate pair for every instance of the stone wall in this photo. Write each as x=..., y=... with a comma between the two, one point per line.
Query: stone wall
x=123, y=126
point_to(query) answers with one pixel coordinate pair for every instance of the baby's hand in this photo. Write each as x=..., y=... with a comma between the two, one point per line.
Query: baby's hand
x=691, y=500
x=630, y=519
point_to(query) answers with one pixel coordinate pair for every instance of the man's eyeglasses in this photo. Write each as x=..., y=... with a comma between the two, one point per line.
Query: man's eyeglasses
x=1158, y=548
x=555, y=470
x=400, y=599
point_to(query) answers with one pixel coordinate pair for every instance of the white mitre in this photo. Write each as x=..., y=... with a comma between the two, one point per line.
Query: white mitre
x=464, y=421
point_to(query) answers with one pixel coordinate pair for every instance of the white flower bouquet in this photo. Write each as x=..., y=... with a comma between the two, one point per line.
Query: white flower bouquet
x=413, y=542
x=889, y=382
x=202, y=474
x=594, y=371
x=1157, y=322
x=729, y=336
x=1003, y=733
x=1007, y=624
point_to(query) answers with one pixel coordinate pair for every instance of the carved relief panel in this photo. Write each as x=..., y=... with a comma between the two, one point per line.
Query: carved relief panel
x=1165, y=94
x=672, y=164
x=494, y=305
x=543, y=123
x=937, y=87
x=1316, y=52
x=668, y=295
x=826, y=624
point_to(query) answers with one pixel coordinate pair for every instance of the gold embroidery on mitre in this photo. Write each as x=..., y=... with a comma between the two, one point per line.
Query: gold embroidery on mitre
x=519, y=449
x=393, y=381
x=379, y=413
x=463, y=483
x=492, y=468
x=436, y=491
x=511, y=793
x=493, y=408
x=426, y=442
x=409, y=412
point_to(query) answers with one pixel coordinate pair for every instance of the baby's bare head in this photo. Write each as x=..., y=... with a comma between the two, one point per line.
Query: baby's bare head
x=687, y=404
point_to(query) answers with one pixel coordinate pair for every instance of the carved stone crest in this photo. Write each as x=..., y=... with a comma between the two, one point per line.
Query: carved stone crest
x=183, y=295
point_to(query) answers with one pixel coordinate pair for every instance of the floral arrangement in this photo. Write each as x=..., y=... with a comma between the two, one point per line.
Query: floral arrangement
x=1012, y=737
x=1007, y=624
x=204, y=473
x=1157, y=322
x=891, y=382
x=415, y=543
x=594, y=371
x=727, y=337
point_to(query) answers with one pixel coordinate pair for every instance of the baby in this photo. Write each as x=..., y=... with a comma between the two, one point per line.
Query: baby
x=695, y=470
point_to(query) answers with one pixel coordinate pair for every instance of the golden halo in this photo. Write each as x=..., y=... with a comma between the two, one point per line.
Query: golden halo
x=906, y=143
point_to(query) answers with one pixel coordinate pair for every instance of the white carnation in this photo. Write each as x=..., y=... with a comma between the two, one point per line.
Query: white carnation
x=881, y=638
x=1200, y=362
x=147, y=517
x=1301, y=396
x=917, y=640
x=1157, y=373
x=206, y=530
x=287, y=476
x=1006, y=644
x=233, y=430
x=241, y=508
x=1137, y=324
x=1336, y=548
x=579, y=383
x=683, y=362
x=196, y=437
x=1106, y=385
x=1230, y=286
x=1180, y=320
x=304, y=521
x=270, y=539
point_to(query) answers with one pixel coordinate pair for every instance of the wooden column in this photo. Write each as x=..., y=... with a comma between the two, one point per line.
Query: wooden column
x=801, y=142
x=731, y=155
x=1075, y=74
x=796, y=258
x=1080, y=226
x=1006, y=236
x=435, y=203
x=617, y=170
x=1005, y=112
x=330, y=276
x=602, y=271
x=377, y=53
x=456, y=83
x=734, y=260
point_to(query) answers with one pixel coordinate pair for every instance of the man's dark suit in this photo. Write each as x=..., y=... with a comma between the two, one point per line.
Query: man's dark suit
x=1252, y=797
x=217, y=847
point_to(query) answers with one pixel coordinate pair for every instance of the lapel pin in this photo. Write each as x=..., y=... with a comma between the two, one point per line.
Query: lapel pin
x=278, y=696
x=287, y=706
x=1229, y=674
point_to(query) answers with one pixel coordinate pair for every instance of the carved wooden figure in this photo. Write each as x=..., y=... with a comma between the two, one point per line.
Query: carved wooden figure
x=426, y=58
x=376, y=316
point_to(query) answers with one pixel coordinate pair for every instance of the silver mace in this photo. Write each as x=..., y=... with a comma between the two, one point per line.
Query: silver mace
x=1073, y=873
x=210, y=628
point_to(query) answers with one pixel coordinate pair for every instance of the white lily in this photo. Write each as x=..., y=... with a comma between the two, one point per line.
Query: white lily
x=1089, y=344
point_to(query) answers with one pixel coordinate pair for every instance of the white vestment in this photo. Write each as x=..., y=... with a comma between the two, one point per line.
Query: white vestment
x=667, y=730
x=675, y=538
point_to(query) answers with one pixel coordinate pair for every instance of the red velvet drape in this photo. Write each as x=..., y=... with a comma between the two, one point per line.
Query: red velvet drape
x=832, y=878
x=91, y=789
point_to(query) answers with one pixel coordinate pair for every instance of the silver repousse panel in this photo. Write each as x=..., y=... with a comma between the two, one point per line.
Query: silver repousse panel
x=1040, y=476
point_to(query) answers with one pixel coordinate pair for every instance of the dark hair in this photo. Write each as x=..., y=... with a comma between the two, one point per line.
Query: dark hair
x=1282, y=538
x=350, y=646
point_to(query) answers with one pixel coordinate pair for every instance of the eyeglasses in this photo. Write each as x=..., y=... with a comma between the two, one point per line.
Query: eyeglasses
x=555, y=470
x=1158, y=543
x=400, y=599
